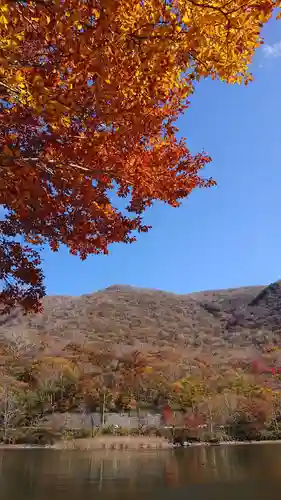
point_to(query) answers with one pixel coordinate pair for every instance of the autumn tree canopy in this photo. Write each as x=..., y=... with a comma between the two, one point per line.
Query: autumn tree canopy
x=89, y=94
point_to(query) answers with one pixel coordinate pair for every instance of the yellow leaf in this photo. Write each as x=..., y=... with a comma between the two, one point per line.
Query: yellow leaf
x=107, y=81
x=3, y=20
x=65, y=120
x=19, y=76
x=96, y=13
x=20, y=36
x=186, y=19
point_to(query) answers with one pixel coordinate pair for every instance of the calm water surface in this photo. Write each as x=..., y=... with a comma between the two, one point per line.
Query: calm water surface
x=214, y=473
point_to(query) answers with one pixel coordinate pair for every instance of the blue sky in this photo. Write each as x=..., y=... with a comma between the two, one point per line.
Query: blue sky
x=228, y=236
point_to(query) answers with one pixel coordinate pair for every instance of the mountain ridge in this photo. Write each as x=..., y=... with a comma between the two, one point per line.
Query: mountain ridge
x=226, y=330
x=128, y=313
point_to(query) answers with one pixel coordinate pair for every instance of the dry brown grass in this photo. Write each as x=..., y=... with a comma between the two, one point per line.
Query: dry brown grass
x=114, y=443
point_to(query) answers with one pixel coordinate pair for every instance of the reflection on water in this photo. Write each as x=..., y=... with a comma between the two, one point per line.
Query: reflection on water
x=211, y=473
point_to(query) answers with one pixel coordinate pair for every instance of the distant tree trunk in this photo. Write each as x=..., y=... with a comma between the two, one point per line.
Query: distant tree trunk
x=103, y=410
x=6, y=414
x=138, y=407
x=9, y=410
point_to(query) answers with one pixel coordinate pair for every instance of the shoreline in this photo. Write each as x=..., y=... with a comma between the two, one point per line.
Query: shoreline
x=234, y=443
x=127, y=443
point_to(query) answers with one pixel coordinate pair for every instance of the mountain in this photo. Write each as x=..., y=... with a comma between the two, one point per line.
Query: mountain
x=224, y=324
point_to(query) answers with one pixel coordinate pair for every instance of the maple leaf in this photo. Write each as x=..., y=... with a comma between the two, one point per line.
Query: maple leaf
x=90, y=93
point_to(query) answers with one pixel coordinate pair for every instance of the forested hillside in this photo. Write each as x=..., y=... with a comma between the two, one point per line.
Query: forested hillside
x=130, y=347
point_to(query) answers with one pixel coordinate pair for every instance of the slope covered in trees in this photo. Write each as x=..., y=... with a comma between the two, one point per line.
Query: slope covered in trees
x=220, y=325
x=209, y=353
x=129, y=316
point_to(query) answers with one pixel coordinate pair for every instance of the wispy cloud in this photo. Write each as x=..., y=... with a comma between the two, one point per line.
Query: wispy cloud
x=273, y=50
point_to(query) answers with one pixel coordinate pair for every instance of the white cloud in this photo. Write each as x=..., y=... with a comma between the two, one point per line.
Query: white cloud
x=273, y=50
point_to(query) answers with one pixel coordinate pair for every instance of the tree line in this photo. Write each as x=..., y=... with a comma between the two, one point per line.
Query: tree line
x=84, y=380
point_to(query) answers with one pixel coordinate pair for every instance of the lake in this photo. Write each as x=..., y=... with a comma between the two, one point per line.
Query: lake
x=243, y=472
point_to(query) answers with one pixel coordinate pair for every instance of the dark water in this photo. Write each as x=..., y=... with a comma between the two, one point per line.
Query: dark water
x=251, y=472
